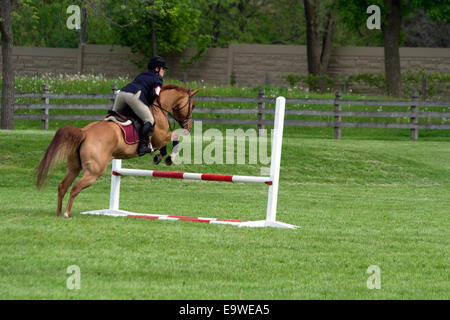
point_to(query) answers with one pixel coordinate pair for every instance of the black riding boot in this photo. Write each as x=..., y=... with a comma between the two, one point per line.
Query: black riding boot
x=144, y=138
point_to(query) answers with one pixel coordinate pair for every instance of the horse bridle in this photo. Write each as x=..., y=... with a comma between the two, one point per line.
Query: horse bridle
x=167, y=113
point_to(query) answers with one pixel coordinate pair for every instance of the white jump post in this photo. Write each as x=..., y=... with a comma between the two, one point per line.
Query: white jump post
x=275, y=163
x=272, y=182
x=114, y=196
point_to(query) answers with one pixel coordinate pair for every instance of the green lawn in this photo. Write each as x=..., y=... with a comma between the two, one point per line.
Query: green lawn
x=359, y=202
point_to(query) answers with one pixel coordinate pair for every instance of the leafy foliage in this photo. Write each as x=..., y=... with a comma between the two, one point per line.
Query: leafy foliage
x=438, y=10
x=254, y=21
x=373, y=80
x=319, y=83
x=42, y=23
x=436, y=84
x=175, y=20
x=199, y=23
x=412, y=81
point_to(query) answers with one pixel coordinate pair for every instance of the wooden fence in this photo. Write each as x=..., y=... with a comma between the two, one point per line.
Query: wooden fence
x=413, y=113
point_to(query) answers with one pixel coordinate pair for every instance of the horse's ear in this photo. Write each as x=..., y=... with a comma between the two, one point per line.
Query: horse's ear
x=194, y=92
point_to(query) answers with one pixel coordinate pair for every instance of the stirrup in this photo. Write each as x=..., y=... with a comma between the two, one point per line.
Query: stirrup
x=151, y=147
x=145, y=149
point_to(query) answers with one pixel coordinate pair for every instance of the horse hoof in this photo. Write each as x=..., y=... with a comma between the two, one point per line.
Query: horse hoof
x=168, y=161
x=157, y=159
x=66, y=215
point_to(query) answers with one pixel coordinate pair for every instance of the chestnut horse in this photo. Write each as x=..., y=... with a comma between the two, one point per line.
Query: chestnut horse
x=92, y=148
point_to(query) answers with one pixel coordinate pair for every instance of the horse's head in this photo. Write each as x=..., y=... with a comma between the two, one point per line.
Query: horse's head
x=181, y=102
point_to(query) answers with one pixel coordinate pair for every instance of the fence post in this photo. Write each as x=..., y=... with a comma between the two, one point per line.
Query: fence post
x=414, y=119
x=337, y=118
x=45, y=103
x=261, y=106
x=113, y=91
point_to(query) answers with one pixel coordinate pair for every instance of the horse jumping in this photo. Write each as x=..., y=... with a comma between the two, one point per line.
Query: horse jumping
x=92, y=148
x=272, y=182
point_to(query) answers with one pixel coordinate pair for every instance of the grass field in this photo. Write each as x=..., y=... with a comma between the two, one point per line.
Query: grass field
x=359, y=202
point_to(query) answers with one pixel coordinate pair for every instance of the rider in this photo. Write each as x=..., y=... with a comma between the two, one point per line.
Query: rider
x=139, y=95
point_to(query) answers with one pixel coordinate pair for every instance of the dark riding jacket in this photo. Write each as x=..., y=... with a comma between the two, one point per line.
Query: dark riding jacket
x=150, y=84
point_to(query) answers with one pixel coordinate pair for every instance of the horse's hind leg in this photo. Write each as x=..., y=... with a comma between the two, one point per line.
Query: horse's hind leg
x=93, y=168
x=85, y=181
x=72, y=171
x=64, y=186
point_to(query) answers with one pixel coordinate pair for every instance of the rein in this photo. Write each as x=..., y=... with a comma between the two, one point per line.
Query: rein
x=167, y=113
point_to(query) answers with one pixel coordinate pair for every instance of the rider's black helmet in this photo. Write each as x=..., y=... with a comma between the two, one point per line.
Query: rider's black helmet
x=156, y=62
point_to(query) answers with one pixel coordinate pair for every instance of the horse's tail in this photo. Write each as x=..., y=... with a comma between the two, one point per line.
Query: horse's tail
x=66, y=142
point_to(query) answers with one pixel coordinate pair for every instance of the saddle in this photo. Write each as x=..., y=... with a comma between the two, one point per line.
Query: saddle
x=128, y=122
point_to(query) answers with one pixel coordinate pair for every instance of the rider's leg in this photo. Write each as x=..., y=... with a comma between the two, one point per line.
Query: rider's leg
x=143, y=112
x=120, y=101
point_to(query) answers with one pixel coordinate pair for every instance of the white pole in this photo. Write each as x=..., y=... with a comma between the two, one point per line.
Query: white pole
x=275, y=161
x=115, y=186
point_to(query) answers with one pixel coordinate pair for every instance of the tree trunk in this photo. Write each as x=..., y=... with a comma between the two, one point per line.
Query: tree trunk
x=391, y=34
x=7, y=104
x=312, y=37
x=327, y=43
x=318, y=45
x=83, y=36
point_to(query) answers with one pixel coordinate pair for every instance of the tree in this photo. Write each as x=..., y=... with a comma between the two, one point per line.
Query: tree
x=429, y=26
x=292, y=30
x=42, y=23
x=391, y=35
x=320, y=27
x=251, y=21
x=156, y=26
x=353, y=13
x=421, y=31
x=149, y=27
x=8, y=69
x=392, y=14
x=437, y=10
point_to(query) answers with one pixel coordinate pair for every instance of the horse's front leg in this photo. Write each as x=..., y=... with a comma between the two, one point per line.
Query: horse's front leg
x=175, y=148
x=161, y=143
x=162, y=153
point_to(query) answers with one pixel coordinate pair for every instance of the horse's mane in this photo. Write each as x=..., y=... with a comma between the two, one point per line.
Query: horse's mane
x=174, y=87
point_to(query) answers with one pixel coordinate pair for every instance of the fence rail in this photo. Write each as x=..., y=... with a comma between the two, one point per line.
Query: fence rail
x=413, y=114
